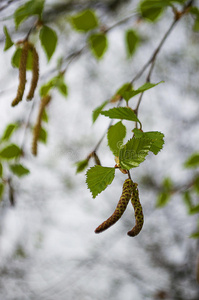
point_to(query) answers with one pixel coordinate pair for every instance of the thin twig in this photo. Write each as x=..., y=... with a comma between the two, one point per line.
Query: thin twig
x=7, y=4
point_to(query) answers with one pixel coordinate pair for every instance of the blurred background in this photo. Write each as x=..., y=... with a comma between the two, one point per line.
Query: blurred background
x=48, y=248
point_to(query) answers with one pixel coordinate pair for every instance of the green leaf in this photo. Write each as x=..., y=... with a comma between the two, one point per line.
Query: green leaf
x=152, y=9
x=165, y=196
x=8, y=42
x=84, y=21
x=116, y=135
x=131, y=41
x=17, y=56
x=10, y=152
x=48, y=38
x=45, y=116
x=81, y=165
x=196, y=184
x=99, y=44
x=19, y=170
x=44, y=90
x=163, y=199
x=30, y=8
x=194, y=210
x=195, y=235
x=192, y=161
x=1, y=190
x=55, y=82
x=61, y=86
x=1, y=169
x=98, y=178
x=127, y=91
x=43, y=136
x=123, y=113
x=125, y=88
x=134, y=153
x=156, y=137
x=9, y=131
x=98, y=110
x=187, y=200
x=196, y=25
x=194, y=11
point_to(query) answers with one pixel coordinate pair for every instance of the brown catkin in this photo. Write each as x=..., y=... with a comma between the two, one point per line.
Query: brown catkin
x=139, y=218
x=35, y=73
x=22, y=73
x=37, y=128
x=128, y=188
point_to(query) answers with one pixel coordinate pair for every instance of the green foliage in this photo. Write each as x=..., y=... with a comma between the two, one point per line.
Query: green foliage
x=84, y=21
x=30, y=8
x=98, y=178
x=48, y=38
x=98, y=43
x=192, y=161
x=43, y=136
x=122, y=113
x=45, y=116
x=98, y=110
x=191, y=208
x=56, y=82
x=1, y=169
x=195, y=235
x=165, y=195
x=195, y=12
x=152, y=9
x=8, y=41
x=10, y=152
x=17, y=56
x=132, y=40
x=196, y=184
x=133, y=153
x=81, y=165
x=9, y=131
x=19, y=170
x=1, y=190
x=127, y=92
x=194, y=210
x=116, y=135
x=187, y=200
x=157, y=139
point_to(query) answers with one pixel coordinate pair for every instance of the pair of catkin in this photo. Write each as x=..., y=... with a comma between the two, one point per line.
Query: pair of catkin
x=129, y=191
x=37, y=128
x=27, y=46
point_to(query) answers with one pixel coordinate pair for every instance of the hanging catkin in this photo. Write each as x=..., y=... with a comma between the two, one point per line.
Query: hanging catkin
x=36, y=131
x=22, y=74
x=128, y=188
x=139, y=218
x=35, y=72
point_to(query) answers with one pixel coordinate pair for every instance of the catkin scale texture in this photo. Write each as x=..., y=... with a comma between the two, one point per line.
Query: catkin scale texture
x=22, y=74
x=36, y=131
x=35, y=73
x=139, y=218
x=128, y=188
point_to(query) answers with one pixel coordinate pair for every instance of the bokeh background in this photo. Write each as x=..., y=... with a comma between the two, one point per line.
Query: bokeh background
x=48, y=248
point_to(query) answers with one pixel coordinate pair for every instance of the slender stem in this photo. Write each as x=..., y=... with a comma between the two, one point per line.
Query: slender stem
x=152, y=60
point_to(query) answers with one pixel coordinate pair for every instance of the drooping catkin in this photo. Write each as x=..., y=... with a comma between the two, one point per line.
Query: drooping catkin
x=37, y=128
x=128, y=188
x=35, y=73
x=139, y=218
x=22, y=73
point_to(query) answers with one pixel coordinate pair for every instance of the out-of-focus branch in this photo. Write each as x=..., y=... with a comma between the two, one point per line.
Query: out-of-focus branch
x=8, y=4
